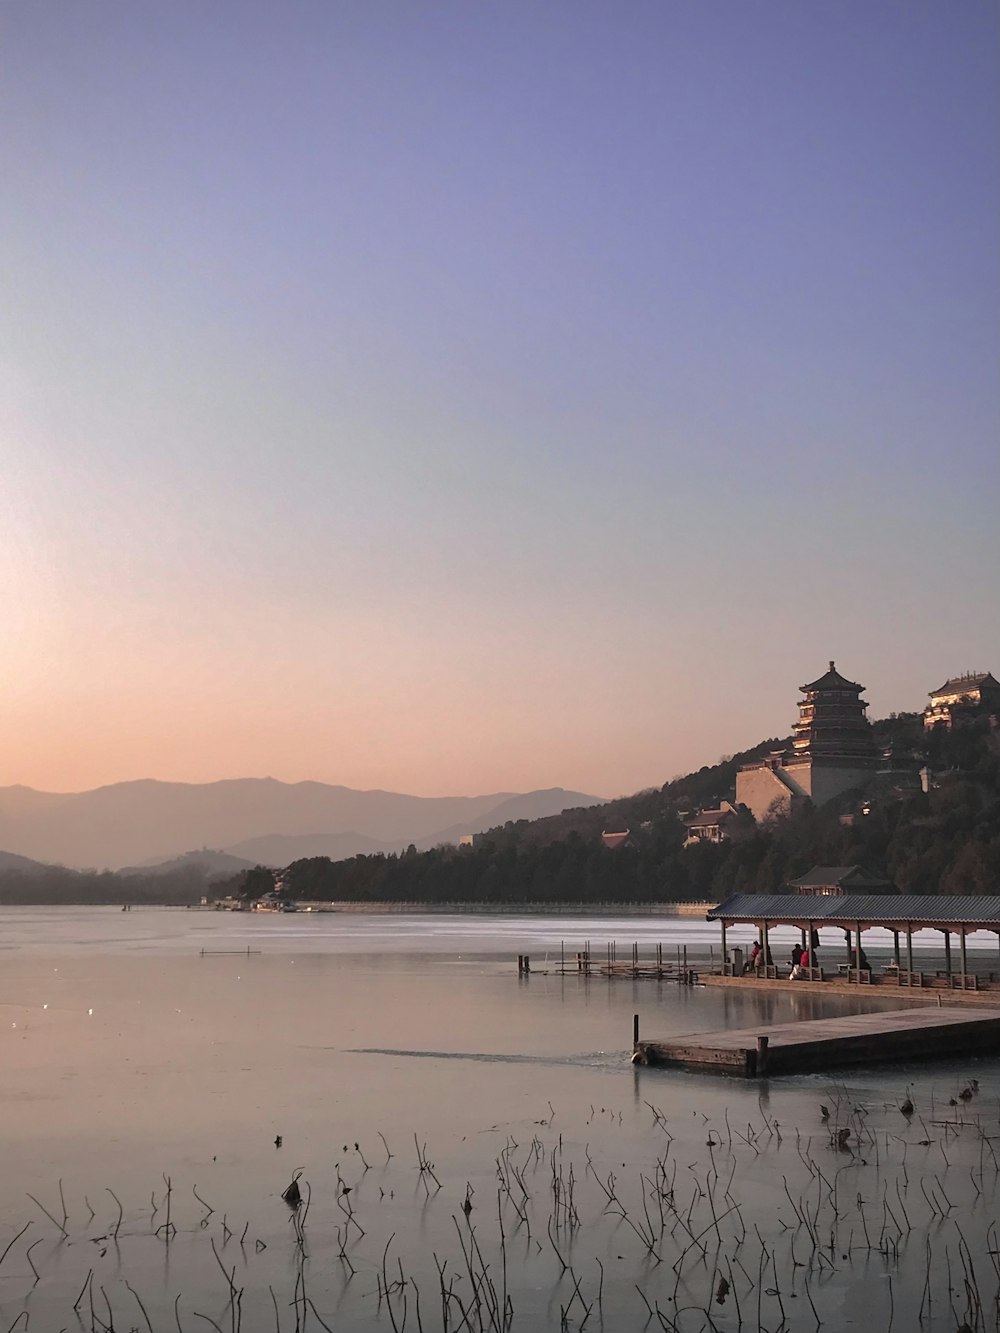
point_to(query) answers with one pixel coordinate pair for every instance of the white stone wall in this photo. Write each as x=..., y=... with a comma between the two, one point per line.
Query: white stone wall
x=763, y=793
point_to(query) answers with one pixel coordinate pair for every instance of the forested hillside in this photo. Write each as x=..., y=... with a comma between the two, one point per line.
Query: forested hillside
x=946, y=840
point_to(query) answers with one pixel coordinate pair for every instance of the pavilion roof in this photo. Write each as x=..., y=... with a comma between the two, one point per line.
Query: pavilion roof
x=874, y=909
x=709, y=818
x=832, y=680
x=851, y=876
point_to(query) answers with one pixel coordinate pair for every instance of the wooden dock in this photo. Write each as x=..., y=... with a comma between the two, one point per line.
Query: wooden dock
x=793, y=1048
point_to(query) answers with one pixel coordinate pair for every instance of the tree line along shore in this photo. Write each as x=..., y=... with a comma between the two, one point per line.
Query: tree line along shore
x=942, y=840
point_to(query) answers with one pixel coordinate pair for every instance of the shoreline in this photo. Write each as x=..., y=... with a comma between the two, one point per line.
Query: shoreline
x=676, y=909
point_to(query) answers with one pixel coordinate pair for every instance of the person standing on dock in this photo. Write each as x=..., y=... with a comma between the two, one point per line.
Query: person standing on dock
x=799, y=967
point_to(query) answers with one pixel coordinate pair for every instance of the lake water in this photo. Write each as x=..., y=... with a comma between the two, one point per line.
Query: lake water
x=154, y=1045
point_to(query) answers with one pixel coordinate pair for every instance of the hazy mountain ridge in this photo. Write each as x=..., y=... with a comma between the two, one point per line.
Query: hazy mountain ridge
x=11, y=861
x=138, y=823
x=209, y=864
x=281, y=849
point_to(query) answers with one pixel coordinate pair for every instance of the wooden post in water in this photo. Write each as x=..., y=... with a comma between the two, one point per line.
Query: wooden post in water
x=635, y=1031
x=687, y=976
x=762, y=1056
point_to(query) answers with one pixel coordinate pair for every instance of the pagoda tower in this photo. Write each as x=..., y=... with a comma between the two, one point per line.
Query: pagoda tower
x=832, y=723
x=833, y=751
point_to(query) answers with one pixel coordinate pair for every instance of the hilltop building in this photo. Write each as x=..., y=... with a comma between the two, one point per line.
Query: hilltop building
x=961, y=697
x=710, y=825
x=833, y=750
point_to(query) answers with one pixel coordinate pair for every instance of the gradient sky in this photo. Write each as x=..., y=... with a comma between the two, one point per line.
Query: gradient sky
x=457, y=397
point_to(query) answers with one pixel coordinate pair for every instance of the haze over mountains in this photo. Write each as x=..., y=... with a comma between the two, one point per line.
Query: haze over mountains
x=255, y=819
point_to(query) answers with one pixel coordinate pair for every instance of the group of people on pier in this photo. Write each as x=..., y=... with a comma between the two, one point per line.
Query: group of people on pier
x=804, y=957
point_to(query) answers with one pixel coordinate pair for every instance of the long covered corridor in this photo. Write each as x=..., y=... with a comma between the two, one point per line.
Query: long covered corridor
x=954, y=918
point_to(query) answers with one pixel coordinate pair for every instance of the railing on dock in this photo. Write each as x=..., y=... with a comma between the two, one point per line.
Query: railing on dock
x=583, y=962
x=655, y=962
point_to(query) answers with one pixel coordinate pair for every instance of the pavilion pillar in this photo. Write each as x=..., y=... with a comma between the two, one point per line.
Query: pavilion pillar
x=895, y=948
x=725, y=957
x=767, y=948
x=965, y=960
x=947, y=953
x=909, y=953
x=857, y=951
x=809, y=946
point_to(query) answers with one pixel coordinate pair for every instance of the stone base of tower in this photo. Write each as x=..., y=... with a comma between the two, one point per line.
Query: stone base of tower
x=821, y=782
x=767, y=791
x=773, y=790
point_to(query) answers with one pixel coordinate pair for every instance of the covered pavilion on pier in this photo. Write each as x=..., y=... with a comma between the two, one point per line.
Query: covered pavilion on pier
x=902, y=914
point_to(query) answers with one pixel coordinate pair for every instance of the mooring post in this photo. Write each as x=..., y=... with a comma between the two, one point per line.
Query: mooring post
x=762, y=1043
x=527, y=964
x=635, y=1031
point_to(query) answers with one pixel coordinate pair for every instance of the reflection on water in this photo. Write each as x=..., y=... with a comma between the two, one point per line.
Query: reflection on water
x=130, y=1055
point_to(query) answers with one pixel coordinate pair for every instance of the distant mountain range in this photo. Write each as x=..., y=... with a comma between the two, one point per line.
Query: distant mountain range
x=139, y=824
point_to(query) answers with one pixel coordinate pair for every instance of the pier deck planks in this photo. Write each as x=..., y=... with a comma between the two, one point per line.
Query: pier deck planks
x=853, y=1039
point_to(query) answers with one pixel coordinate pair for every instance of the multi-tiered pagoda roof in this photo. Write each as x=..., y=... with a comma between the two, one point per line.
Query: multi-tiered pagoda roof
x=832, y=723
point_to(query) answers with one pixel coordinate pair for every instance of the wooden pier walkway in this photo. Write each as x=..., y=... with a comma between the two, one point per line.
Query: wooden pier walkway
x=792, y=1048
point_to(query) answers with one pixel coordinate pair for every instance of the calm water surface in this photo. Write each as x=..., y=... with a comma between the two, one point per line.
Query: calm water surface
x=148, y=1044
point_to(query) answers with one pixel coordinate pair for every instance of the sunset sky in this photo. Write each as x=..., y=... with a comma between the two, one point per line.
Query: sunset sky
x=463, y=397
